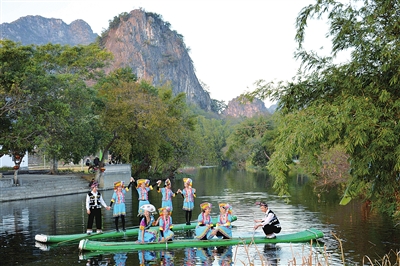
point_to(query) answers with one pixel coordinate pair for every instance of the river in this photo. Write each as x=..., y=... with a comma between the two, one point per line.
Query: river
x=361, y=231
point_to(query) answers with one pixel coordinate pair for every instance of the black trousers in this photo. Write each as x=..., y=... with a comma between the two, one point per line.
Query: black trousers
x=95, y=213
x=269, y=229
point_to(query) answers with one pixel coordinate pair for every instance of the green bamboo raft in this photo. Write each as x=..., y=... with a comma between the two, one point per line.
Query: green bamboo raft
x=303, y=236
x=107, y=234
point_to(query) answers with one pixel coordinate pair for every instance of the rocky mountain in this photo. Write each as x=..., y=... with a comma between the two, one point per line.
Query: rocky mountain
x=40, y=30
x=239, y=107
x=272, y=108
x=144, y=42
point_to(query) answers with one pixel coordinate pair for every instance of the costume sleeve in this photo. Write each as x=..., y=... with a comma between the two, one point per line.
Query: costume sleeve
x=200, y=220
x=87, y=201
x=171, y=225
x=161, y=223
x=102, y=202
x=142, y=224
x=129, y=186
x=113, y=199
x=194, y=192
x=268, y=219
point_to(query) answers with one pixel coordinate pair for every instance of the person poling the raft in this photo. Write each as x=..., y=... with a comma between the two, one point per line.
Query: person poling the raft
x=270, y=223
x=118, y=199
x=204, y=227
x=223, y=228
x=147, y=234
x=188, y=195
x=167, y=194
x=165, y=223
x=143, y=187
x=94, y=201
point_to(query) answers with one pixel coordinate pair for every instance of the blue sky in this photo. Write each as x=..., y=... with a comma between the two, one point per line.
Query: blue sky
x=233, y=42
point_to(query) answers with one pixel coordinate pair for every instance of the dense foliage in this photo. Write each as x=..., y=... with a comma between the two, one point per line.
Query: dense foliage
x=45, y=100
x=354, y=105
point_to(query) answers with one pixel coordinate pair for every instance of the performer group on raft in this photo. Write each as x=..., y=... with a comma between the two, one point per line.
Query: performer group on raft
x=148, y=232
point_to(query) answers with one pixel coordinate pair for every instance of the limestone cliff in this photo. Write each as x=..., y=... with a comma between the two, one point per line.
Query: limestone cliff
x=242, y=108
x=40, y=30
x=144, y=42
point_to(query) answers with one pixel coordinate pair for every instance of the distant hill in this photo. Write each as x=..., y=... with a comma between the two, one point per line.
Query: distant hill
x=237, y=109
x=40, y=30
x=144, y=42
x=272, y=108
x=139, y=39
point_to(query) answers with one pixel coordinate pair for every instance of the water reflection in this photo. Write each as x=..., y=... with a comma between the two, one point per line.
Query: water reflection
x=361, y=230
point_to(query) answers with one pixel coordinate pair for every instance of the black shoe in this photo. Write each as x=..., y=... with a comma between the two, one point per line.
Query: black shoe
x=124, y=230
x=117, y=230
x=188, y=223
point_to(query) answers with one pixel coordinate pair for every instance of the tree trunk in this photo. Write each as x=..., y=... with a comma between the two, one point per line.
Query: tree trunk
x=54, y=166
x=16, y=181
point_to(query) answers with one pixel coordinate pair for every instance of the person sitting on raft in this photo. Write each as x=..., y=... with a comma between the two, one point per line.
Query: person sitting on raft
x=147, y=234
x=165, y=223
x=223, y=228
x=167, y=194
x=270, y=223
x=204, y=227
x=118, y=198
x=143, y=187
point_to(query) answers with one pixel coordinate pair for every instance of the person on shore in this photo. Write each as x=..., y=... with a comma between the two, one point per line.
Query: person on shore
x=94, y=201
x=204, y=228
x=146, y=234
x=143, y=187
x=167, y=194
x=118, y=198
x=165, y=223
x=188, y=195
x=270, y=223
x=223, y=228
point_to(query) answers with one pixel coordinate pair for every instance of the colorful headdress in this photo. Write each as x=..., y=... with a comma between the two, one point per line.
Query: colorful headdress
x=188, y=181
x=141, y=181
x=160, y=210
x=119, y=184
x=147, y=207
x=226, y=206
x=94, y=184
x=205, y=205
x=167, y=182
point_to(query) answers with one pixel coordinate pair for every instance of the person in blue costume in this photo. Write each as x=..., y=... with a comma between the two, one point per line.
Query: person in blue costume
x=167, y=194
x=204, y=228
x=143, y=187
x=147, y=234
x=223, y=227
x=188, y=195
x=118, y=199
x=270, y=223
x=165, y=223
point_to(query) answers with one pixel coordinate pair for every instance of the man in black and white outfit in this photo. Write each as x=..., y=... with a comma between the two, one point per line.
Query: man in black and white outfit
x=270, y=223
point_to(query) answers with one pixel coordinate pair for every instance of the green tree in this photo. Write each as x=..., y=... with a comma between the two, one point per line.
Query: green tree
x=46, y=100
x=251, y=142
x=355, y=104
x=147, y=126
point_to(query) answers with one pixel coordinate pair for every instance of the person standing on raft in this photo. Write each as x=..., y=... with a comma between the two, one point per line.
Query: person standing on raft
x=119, y=199
x=223, y=228
x=188, y=195
x=94, y=201
x=270, y=223
x=204, y=227
x=143, y=187
x=167, y=194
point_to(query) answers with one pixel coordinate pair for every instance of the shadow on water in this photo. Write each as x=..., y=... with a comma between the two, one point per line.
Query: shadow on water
x=363, y=232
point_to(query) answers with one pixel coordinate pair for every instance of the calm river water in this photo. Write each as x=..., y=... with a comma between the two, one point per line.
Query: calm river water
x=361, y=231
